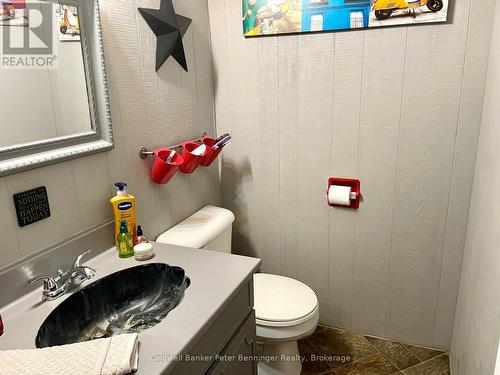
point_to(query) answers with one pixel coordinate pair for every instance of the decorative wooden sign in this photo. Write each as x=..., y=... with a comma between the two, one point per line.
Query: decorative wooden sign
x=32, y=206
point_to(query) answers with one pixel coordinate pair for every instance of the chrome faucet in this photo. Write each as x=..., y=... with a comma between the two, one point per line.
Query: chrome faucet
x=55, y=287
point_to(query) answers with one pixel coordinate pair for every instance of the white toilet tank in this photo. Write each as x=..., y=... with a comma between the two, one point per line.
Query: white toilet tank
x=209, y=228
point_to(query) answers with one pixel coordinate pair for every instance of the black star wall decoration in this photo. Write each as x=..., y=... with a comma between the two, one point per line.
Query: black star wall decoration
x=169, y=29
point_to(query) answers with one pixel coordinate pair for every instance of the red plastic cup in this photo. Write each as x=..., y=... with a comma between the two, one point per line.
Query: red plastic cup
x=191, y=161
x=210, y=154
x=163, y=171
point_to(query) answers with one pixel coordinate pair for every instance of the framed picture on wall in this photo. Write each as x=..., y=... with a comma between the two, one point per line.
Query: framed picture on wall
x=67, y=22
x=266, y=17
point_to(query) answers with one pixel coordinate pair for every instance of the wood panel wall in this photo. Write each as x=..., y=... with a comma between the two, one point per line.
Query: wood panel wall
x=399, y=108
x=475, y=347
x=148, y=109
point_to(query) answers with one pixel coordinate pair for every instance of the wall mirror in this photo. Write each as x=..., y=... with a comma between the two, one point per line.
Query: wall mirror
x=53, y=85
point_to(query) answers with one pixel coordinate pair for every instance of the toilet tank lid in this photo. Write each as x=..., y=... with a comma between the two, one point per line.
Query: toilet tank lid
x=198, y=229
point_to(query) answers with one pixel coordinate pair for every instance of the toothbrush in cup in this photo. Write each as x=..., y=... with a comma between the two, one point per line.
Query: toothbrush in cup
x=222, y=141
x=170, y=157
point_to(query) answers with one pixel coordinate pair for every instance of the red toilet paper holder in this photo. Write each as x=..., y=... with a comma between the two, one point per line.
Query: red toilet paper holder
x=353, y=183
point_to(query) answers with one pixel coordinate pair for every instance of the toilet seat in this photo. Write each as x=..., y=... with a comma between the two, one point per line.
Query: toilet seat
x=290, y=323
x=266, y=333
x=280, y=301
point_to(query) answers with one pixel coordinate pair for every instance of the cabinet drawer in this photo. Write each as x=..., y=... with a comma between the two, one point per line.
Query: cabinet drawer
x=218, y=334
x=237, y=357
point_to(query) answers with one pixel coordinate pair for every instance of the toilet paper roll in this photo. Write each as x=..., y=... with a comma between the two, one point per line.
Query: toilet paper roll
x=340, y=195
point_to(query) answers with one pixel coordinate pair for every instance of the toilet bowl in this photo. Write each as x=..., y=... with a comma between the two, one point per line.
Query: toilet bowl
x=286, y=310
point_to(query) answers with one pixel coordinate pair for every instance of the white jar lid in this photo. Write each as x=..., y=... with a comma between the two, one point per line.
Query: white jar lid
x=143, y=249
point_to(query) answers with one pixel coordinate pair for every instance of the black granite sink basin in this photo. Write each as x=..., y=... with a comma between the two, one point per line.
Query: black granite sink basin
x=127, y=301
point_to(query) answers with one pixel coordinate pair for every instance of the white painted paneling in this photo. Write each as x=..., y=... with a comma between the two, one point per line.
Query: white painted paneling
x=65, y=219
x=378, y=152
x=178, y=192
x=241, y=166
x=288, y=152
x=429, y=117
x=269, y=152
x=8, y=223
x=202, y=64
x=314, y=135
x=397, y=108
x=148, y=109
x=203, y=115
x=345, y=142
x=93, y=193
x=477, y=324
x=218, y=40
x=131, y=94
x=475, y=69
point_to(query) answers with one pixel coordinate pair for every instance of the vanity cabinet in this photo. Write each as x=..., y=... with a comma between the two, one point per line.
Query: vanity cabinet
x=213, y=324
x=226, y=340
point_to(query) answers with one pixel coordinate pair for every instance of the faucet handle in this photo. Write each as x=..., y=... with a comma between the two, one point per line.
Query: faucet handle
x=82, y=273
x=48, y=281
x=79, y=258
x=89, y=271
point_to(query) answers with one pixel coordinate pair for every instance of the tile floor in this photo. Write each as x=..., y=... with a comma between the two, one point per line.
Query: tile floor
x=330, y=351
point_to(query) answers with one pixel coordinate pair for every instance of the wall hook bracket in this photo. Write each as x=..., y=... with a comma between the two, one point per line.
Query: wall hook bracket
x=144, y=153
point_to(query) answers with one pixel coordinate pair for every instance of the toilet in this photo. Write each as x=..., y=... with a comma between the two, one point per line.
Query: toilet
x=286, y=310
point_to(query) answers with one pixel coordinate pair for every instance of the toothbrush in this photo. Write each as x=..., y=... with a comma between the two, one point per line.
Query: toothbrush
x=221, y=138
x=222, y=142
x=170, y=157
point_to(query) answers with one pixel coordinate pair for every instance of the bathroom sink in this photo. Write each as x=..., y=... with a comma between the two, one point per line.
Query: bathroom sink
x=127, y=301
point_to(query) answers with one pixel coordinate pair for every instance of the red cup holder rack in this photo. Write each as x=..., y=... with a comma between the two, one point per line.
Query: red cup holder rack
x=165, y=167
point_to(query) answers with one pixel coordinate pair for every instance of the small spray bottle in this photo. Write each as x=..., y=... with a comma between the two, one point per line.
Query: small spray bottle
x=140, y=238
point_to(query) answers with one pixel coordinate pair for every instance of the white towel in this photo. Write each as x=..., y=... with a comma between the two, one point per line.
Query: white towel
x=114, y=355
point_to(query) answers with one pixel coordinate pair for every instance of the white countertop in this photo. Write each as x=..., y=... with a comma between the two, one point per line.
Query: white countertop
x=215, y=278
